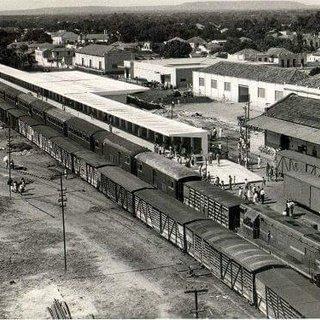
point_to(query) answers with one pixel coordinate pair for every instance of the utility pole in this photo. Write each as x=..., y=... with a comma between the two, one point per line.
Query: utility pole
x=62, y=201
x=9, y=160
x=196, y=292
x=247, y=133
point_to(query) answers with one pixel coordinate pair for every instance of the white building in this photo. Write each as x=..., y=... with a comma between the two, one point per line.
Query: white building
x=101, y=58
x=263, y=85
x=63, y=37
x=51, y=57
x=174, y=72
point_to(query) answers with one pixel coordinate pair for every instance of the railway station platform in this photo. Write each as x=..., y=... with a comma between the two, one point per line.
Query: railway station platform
x=228, y=167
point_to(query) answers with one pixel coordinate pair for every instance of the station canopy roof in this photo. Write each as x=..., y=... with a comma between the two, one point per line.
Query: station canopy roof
x=72, y=84
x=287, y=128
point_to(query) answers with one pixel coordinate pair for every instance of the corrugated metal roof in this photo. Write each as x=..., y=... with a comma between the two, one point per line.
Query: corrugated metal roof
x=47, y=131
x=26, y=98
x=225, y=198
x=296, y=290
x=305, y=177
x=17, y=112
x=125, y=179
x=169, y=206
x=30, y=121
x=59, y=114
x=238, y=249
x=6, y=106
x=41, y=106
x=97, y=50
x=166, y=166
x=256, y=72
x=83, y=125
x=68, y=145
x=287, y=128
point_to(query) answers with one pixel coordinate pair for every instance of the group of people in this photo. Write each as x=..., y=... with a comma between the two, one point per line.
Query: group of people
x=272, y=172
x=289, y=208
x=17, y=186
x=253, y=193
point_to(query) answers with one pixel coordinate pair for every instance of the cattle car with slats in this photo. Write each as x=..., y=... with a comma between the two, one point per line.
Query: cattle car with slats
x=215, y=203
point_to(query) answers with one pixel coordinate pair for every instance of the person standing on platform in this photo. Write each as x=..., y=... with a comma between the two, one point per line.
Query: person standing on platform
x=262, y=195
x=218, y=159
x=230, y=182
x=259, y=162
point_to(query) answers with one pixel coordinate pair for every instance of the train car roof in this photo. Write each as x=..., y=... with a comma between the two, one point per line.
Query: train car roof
x=41, y=106
x=9, y=90
x=18, y=112
x=308, y=178
x=296, y=290
x=224, y=197
x=166, y=166
x=169, y=206
x=242, y=251
x=59, y=114
x=26, y=97
x=30, y=121
x=48, y=132
x=92, y=158
x=6, y=106
x=124, y=179
x=83, y=125
x=118, y=142
x=67, y=144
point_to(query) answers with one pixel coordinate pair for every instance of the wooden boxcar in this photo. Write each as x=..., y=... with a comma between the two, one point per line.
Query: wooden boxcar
x=42, y=137
x=303, y=188
x=38, y=109
x=285, y=294
x=24, y=101
x=4, y=108
x=13, y=117
x=165, y=214
x=86, y=164
x=292, y=161
x=120, y=185
x=165, y=174
x=217, y=204
x=63, y=150
x=82, y=131
x=26, y=125
x=230, y=258
x=57, y=119
x=119, y=150
x=9, y=93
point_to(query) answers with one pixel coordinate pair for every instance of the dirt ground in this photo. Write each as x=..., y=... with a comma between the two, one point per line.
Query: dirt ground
x=117, y=266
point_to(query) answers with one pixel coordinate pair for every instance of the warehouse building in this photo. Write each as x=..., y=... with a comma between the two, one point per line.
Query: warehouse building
x=86, y=93
x=263, y=85
x=170, y=72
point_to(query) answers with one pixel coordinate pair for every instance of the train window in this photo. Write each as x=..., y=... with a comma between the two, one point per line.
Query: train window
x=140, y=166
x=127, y=161
x=171, y=185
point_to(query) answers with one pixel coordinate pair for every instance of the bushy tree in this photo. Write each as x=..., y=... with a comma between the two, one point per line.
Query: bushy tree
x=176, y=49
x=314, y=71
x=37, y=35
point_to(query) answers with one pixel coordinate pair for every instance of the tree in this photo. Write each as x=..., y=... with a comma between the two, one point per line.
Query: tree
x=37, y=35
x=314, y=71
x=176, y=49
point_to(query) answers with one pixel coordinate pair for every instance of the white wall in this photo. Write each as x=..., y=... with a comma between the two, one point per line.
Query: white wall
x=221, y=94
x=95, y=61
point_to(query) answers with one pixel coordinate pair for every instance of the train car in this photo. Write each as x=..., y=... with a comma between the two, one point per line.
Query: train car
x=24, y=100
x=86, y=165
x=82, y=131
x=292, y=161
x=120, y=151
x=166, y=215
x=285, y=294
x=4, y=108
x=9, y=93
x=217, y=204
x=165, y=174
x=38, y=109
x=230, y=258
x=26, y=126
x=120, y=186
x=13, y=117
x=42, y=137
x=288, y=235
x=63, y=150
x=303, y=188
x=57, y=119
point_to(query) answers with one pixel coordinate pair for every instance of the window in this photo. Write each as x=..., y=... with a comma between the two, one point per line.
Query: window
x=90, y=63
x=201, y=82
x=261, y=92
x=278, y=95
x=227, y=86
x=100, y=65
x=82, y=61
x=140, y=166
x=171, y=185
x=214, y=83
x=127, y=161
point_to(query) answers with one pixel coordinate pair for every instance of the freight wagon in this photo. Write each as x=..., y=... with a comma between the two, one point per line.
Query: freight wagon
x=13, y=117
x=4, y=108
x=120, y=186
x=9, y=93
x=24, y=101
x=303, y=188
x=42, y=136
x=166, y=175
x=57, y=119
x=215, y=203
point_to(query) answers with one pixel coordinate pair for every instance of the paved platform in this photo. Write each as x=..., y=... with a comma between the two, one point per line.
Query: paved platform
x=237, y=171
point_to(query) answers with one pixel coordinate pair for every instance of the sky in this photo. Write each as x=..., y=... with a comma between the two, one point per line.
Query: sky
x=32, y=4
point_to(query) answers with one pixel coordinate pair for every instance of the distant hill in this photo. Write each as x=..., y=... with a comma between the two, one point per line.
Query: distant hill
x=187, y=6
